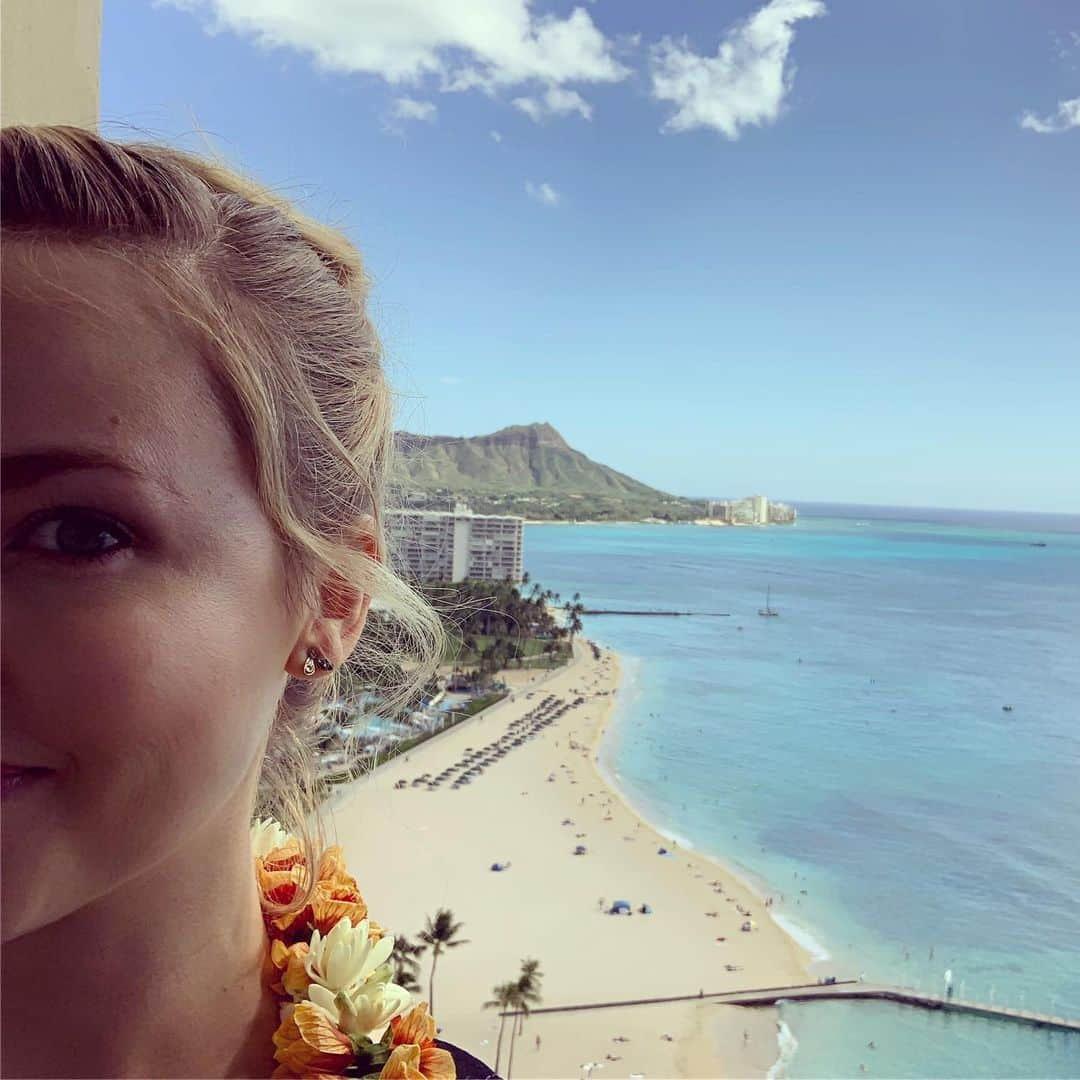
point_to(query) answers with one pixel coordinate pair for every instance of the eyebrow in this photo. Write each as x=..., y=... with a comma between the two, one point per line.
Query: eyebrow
x=23, y=470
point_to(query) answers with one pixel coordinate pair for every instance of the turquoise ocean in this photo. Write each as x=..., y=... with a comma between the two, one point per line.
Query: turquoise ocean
x=853, y=755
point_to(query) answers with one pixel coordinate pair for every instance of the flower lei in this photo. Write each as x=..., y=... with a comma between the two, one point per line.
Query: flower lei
x=340, y=1013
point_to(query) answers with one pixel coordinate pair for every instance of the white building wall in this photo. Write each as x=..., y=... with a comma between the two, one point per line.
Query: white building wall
x=459, y=569
x=458, y=544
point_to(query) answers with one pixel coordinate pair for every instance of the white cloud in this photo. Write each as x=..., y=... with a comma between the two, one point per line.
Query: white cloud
x=543, y=193
x=744, y=83
x=485, y=44
x=556, y=100
x=1064, y=46
x=406, y=108
x=1066, y=117
x=530, y=107
x=497, y=136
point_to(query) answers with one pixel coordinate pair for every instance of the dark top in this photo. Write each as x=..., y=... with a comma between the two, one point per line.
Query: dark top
x=468, y=1067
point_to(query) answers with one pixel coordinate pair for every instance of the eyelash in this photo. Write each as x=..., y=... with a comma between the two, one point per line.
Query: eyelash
x=105, y=522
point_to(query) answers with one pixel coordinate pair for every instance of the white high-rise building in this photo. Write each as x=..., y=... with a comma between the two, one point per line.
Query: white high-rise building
x=452, y=545
x=753, y=510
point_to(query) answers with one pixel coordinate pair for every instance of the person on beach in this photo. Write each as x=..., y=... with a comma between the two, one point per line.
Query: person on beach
x=197, y=439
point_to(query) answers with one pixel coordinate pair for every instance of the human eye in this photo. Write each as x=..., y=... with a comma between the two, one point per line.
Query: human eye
x=72, y=533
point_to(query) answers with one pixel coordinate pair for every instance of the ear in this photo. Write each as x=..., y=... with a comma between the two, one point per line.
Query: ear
x=344, y=608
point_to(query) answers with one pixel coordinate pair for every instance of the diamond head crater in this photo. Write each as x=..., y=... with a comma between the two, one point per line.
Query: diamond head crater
x=529, y=470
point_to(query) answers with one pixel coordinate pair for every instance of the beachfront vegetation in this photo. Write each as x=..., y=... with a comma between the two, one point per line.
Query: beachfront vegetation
x=502, y=999
x=406, y=961
x=490, y=627
x=497, y=625
x=441, y=934
x=519, y=994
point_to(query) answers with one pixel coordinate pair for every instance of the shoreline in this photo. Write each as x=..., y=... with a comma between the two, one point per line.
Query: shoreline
x=807, y=939
x=544, y=905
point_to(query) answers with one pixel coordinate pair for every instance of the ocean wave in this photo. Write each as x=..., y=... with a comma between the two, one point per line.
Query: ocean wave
x=786, y=1044
x=815, y=948
x=675, y=838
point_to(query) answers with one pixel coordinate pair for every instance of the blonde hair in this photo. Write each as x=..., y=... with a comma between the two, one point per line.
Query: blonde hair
x=278, y=302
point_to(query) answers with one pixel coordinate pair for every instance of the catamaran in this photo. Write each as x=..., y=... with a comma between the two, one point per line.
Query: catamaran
x=767, y=609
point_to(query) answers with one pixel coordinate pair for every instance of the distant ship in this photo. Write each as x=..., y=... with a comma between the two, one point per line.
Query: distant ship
x=768, y=610
x=1038, y=543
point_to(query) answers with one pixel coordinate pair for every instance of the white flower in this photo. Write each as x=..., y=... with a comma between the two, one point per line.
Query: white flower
x=365, y=1011
x=346, y=957
x=266, y=835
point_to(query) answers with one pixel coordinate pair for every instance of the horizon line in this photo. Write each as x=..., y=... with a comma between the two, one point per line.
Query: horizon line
x=893, y=506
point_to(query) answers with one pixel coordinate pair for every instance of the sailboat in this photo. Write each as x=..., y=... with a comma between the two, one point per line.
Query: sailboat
x=768, y=609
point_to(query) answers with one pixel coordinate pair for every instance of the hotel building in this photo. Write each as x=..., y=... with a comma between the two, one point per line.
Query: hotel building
x=452, y=545
x=753, y=510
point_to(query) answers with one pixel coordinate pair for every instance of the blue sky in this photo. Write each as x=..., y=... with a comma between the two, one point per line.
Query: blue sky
x=824, y=250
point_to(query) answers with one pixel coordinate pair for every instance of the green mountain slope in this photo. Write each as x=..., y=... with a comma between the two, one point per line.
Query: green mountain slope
x=528, y=469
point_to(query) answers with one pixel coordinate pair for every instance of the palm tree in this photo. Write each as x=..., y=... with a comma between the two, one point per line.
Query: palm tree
x=575, y=624
x=407, y=963
x=529, y=985
x=502, y=996
x=489, y=659
x=522, y=994
x=440, y=933
x=517, y=1001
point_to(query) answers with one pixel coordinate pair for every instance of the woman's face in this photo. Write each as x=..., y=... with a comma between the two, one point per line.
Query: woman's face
x=146, y=628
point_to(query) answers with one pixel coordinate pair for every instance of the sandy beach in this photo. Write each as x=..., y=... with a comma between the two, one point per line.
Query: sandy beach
x=547, y=904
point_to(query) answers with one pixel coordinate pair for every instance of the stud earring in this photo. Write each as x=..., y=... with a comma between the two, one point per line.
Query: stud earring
x=316, y=659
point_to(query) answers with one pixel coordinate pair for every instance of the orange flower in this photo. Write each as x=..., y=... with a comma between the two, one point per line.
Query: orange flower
x=283, y=857
x=403, y=1064
x=283, y=873
x=416, y=1026
x=332, y=901
x=295, y=981
x=412, y=1063
x=309, y=1044
x=415, y=1055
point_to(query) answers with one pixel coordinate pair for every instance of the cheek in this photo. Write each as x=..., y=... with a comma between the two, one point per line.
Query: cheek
x=162, y=708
